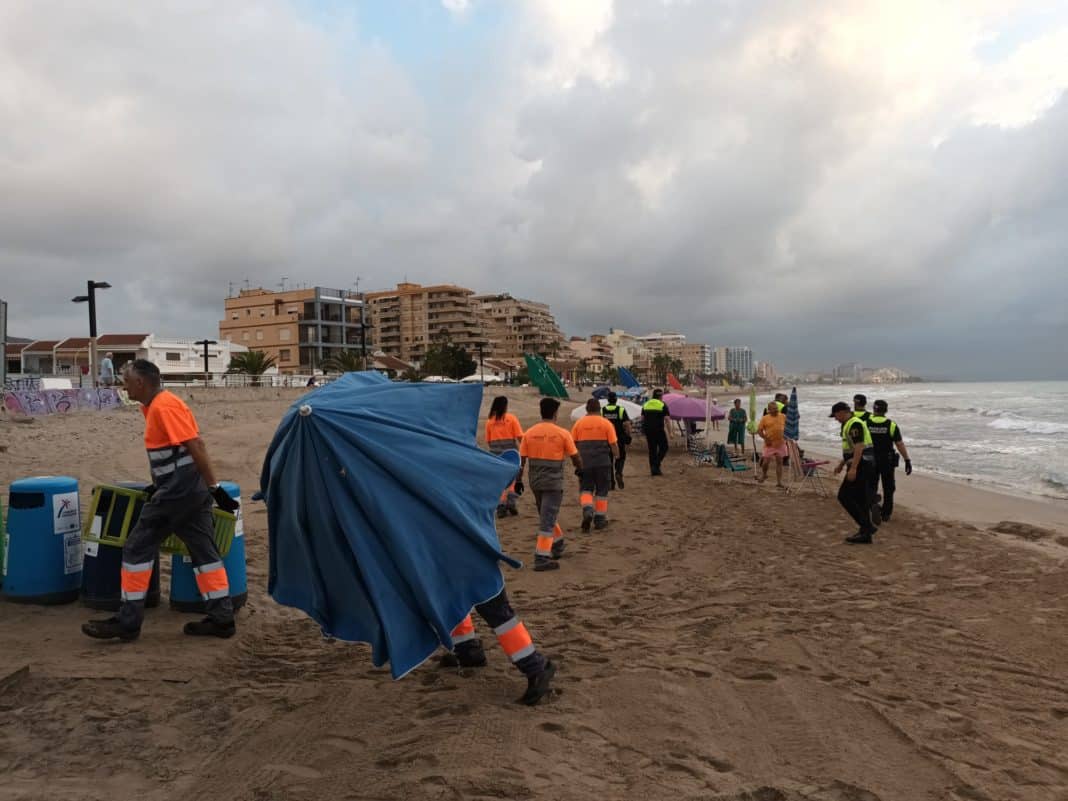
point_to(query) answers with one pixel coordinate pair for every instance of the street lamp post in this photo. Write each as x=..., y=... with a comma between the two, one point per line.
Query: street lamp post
x=205, y=343
x=90, y=298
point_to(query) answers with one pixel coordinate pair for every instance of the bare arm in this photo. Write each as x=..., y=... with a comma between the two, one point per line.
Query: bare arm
x=900, y=445
x=576, y=460
x=199, y=452
x=615, y=450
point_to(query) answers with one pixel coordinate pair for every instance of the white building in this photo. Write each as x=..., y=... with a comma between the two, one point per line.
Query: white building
x=734, y=360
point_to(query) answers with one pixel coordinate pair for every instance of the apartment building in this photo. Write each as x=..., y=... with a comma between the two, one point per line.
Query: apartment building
x=695, y=357
x=300, y=328
x=734, y=360
x=594, y=353
x=409, y=319
x=515, y=326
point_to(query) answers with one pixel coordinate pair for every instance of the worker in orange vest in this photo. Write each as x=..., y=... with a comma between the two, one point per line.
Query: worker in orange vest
x=598, y=445
x=503, y=433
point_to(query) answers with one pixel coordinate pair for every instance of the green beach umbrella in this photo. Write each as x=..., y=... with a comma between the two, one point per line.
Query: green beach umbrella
x=752, y=424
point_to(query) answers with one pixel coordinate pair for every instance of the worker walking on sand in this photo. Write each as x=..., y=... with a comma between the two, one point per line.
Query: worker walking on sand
x=547, y=447
x=858, y=455
x=180, y=502
x=616, y=414
x=598, y=446
x=885, y=436
x=655, y=415
x=503, y=433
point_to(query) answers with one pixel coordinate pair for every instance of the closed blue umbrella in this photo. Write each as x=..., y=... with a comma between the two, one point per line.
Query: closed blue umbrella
x=380, y=512
x=793, y=417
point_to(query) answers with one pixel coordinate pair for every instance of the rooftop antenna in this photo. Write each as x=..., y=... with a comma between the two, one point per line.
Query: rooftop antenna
x=247, y=285
x=230, y=291
x=283, y=284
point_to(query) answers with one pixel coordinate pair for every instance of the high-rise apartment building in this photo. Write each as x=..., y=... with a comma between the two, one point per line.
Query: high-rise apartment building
x=515, y=326
x=300, y=328
x=734, y=361
x=696, y=358
x=409, y=319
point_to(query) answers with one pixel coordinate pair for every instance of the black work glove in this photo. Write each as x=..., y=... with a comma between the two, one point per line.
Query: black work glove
x=149, y=490
x=223, y=499
x=908, y=467
x=578, y=472
x=519, y=488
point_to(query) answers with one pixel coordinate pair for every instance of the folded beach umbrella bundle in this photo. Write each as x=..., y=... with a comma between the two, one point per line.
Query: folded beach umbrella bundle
x=793, y=417
x=381, y=513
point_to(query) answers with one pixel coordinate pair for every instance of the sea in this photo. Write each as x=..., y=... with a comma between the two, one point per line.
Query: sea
x=1009, y=436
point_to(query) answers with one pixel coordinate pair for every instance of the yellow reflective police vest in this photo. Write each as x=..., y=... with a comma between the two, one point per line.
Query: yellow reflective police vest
x=847, y=443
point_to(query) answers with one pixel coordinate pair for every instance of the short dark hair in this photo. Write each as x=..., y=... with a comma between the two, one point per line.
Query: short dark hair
x=860, y=399
x=880, y=406
x=548, y=408
x=612, y=397
x=657, y=393
x=146, y=370
x=841, y=406
x=593, y=405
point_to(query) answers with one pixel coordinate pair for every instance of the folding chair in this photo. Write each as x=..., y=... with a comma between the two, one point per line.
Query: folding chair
x=805, y=471
x=701, y=455
x=724, y=461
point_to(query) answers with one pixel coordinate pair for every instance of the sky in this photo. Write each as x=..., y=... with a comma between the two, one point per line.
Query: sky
x=852, y=180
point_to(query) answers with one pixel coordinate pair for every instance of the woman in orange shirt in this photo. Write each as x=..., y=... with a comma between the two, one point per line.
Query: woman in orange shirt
x=503, y=433
x=772, y=428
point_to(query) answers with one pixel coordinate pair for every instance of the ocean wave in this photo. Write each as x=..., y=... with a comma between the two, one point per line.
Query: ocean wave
x=1026, y=426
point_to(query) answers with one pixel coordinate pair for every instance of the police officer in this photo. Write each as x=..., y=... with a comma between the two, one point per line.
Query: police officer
x=618, y=417
x=860, y=407
x=654, y=425
x=856, y=493
x=885, y=436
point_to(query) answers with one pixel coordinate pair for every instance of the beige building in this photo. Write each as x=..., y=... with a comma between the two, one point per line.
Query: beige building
x=515, y=326
x=300, y=328
x=410, y=318
x=595, y=353
x=695, y=358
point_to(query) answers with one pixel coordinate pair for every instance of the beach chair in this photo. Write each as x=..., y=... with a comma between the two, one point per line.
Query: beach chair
x=805, y=472
x=701, y=455
x=727, y=464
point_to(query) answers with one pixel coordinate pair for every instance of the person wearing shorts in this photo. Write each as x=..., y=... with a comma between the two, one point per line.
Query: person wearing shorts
x=772, y=428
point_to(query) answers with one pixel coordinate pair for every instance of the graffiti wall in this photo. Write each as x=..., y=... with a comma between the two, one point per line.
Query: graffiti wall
x=61, y=401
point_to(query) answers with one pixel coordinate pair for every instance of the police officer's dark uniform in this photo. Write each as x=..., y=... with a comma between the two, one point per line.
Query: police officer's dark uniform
x=654, y=425
x=885, y=435
x=857, y=495
x=617, y=415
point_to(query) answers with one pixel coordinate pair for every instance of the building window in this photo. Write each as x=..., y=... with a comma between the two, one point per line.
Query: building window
x=248, y=312
x=173, y=357
x=283, y=355
x=263, y=313
x=284, y=334
x=244, y=336
x=234, y=316
x=259, y=336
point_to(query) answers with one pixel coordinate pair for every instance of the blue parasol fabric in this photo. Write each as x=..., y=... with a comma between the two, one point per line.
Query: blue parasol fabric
x=380, y=512
x=793, y=417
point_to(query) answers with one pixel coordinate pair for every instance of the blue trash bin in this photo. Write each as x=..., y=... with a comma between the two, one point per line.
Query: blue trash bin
x=185, y=596
x=102, y=568
x=43, y=563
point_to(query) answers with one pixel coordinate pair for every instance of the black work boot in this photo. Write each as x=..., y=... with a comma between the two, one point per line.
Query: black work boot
x=619, y=480
x=860, y=538
x=467, y=654
x=502, y=510
x=600, y=523
x=110, y=629
x=545, y=563
x=587, y=519
x=539, y=686
x=210, y=628
x=558, y=549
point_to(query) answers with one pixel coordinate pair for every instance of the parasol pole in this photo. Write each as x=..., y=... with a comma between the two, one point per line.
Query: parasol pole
x=708, y=415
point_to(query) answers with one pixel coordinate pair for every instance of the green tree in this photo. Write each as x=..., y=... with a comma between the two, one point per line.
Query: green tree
x=345, y=361
x=661, y=365
x=254, y=363
x=675, y=366
x=448, y=359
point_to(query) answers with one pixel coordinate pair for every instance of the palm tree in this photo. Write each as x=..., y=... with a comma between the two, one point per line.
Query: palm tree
x=254, y=363
x=345, y=361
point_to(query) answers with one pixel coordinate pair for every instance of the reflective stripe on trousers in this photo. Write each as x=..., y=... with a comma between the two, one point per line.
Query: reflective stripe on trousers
x=464, y=632
x=134, y=580
x=514, y=639
x=602, y=506
x=586, y=499
x=212, y=581
x=544, y=545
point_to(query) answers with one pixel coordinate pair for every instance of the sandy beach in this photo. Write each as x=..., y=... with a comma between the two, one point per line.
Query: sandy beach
x=717, y=641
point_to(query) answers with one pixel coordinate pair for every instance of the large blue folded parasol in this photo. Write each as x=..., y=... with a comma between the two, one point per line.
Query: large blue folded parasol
x=381, y=513
x=793, y=418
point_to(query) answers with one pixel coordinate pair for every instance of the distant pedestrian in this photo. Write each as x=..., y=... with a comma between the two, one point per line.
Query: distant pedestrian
x=503, y=433
x=737, y=418
x=655, y=414
x=311, y=383
x=772, y=429
x=547, y=447
x=885, y=436
x=616, y=414
x=856, y=494
x=715, y=415
x=596, y=441
x=107, y=370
